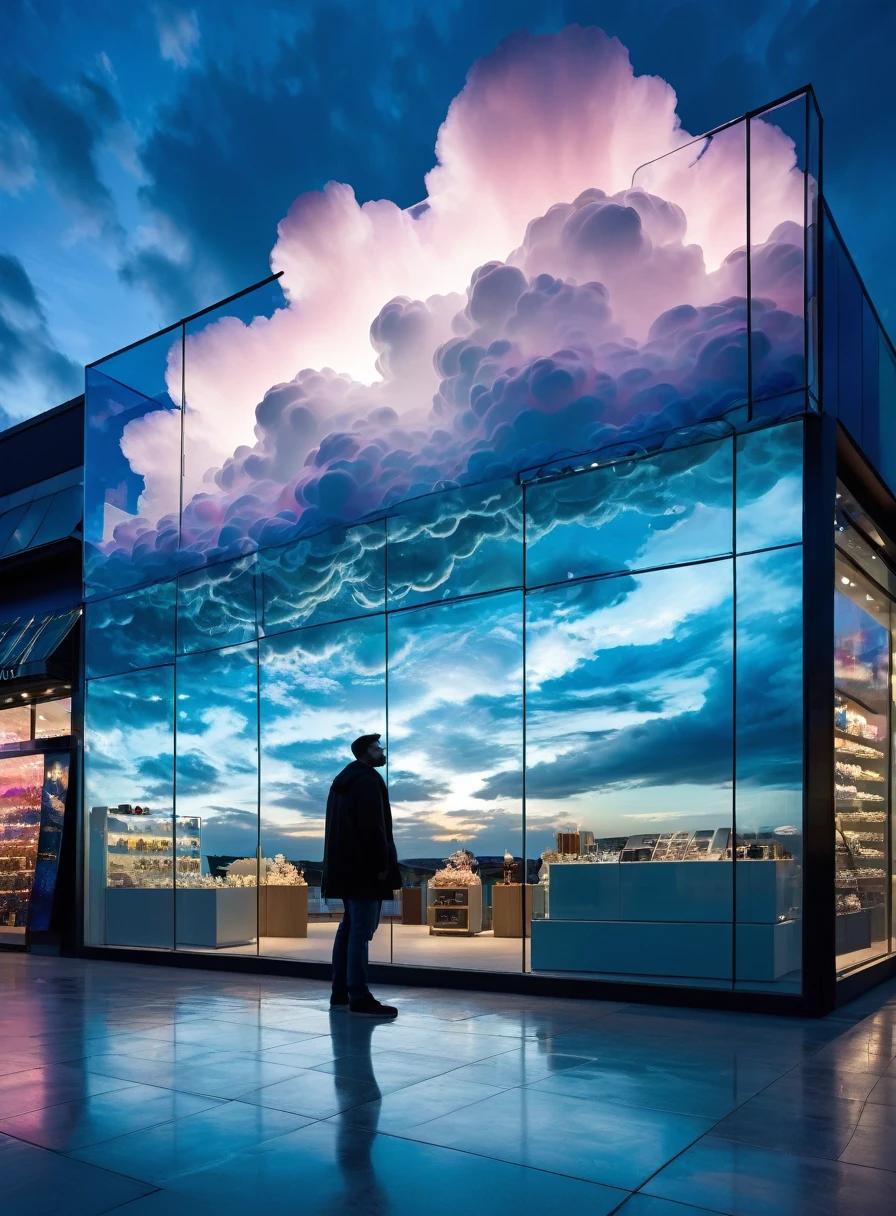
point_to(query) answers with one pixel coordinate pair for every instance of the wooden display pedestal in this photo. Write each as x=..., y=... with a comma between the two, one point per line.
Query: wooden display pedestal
x=282, y=911
x=507, y=909
x=453, y=911
x=412, y=907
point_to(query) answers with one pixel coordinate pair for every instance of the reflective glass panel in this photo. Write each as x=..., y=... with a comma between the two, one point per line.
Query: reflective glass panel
x=336, y=575
x=53, y=718
x=237, y=493
x=320, y=689
x=629, y=761
x=769, y=500
x=459, y=542
x=707, y=180
x=870, y=386
x=848, y=367
x=15, y=722
x=129, y=809
x=862, y=760
x=21, y=782
x=132, y=460
x=217, y=606
x=134, y=630
x=455, y=781
x=778, y=160
x=674, y=507
x=216, y=788
x=887, y=406
x=25, y=530
x=769, y=772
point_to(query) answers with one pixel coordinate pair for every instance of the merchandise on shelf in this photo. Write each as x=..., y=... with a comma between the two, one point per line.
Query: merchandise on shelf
x=457, y=871
x=151, y=850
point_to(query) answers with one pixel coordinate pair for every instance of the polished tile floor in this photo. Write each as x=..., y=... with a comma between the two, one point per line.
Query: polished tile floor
x=153, y=1090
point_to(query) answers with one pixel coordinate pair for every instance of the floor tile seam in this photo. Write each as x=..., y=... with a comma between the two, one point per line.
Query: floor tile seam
x=184, y=1173
x=126, y=1084
x=198, y=1093
x=426, y=1122
x=685, y=1207
x=148, y=1128
x=467, y=1152
x=659, y=1110
x=858, y=1121
x=67, y=1156
x=153, y=1190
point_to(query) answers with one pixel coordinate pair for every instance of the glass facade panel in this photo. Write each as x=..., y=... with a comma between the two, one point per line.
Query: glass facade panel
x=238, y=494
x=459, y=542
x=675, y=507
x=53, y=719
x=862, y=750
x=887, y=407
x=778, y=257
x=869, y=388
x=321, y=688
x=15, y=722
x=769, y=499
x=334, y=576
x=132, y=455
x=715, y=337
x=849, y=347
x=630, y=759
x=455, y=772
x=768, y=804
x=131, y=631
x=21, y=783
x=216, y=791
x=129, y=809
x=217, y=606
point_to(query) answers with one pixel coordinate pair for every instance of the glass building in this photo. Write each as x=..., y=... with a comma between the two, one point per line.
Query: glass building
x=635, y=689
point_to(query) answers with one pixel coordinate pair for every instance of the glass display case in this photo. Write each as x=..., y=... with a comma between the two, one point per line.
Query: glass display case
x=141, y=848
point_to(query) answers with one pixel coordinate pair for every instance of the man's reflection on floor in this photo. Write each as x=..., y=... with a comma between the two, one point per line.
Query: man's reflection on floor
x=356, y=1128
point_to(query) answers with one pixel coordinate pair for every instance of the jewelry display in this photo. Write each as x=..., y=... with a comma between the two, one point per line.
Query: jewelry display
x=860, y=777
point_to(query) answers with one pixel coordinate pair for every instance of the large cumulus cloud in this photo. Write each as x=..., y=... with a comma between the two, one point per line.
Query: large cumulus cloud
x=536, y=305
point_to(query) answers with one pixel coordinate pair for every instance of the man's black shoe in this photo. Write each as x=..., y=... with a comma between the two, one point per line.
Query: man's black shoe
x=369, y=1007
x=339, y=1000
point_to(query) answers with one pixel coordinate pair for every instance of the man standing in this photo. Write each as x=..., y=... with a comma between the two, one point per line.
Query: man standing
x=361, y=869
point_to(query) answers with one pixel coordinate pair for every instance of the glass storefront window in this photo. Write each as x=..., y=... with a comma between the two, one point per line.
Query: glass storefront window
x=129, y=809
x=768, y=786
x=321, y=688
x=634, y=702
x=53, y=718
x=630, y=760
x=634, y=514
x=862, y=750
x=21, y=782
x=15, y=723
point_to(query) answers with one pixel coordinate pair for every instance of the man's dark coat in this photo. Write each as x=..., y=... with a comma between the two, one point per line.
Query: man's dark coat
x=358, y=844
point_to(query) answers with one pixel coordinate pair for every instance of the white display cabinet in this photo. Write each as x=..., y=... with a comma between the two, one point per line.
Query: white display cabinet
x=671, y=918
x=133, y=900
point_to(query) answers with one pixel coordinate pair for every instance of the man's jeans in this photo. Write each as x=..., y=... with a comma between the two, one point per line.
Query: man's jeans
x=359, y=923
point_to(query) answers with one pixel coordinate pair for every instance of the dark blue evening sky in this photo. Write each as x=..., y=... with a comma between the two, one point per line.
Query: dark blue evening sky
x=148, y=150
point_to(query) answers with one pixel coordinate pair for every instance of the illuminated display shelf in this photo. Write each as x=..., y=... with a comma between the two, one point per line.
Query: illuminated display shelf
x=19, y=833
x=454, y=910
x=136, y=904
x=860, y=843
x=140, y=848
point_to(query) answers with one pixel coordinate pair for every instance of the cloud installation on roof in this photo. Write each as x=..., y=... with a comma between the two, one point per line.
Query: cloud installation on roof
x=567, y=284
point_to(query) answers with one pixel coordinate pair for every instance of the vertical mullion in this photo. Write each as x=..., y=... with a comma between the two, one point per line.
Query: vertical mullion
x=749, y=240
x=525, y=845
x=734, y=712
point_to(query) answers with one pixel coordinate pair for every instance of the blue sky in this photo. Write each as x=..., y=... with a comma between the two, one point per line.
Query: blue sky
x=148, y=151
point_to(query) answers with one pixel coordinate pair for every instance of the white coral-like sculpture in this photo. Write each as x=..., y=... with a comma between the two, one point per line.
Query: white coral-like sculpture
x=282, y=873
x=458, y=871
